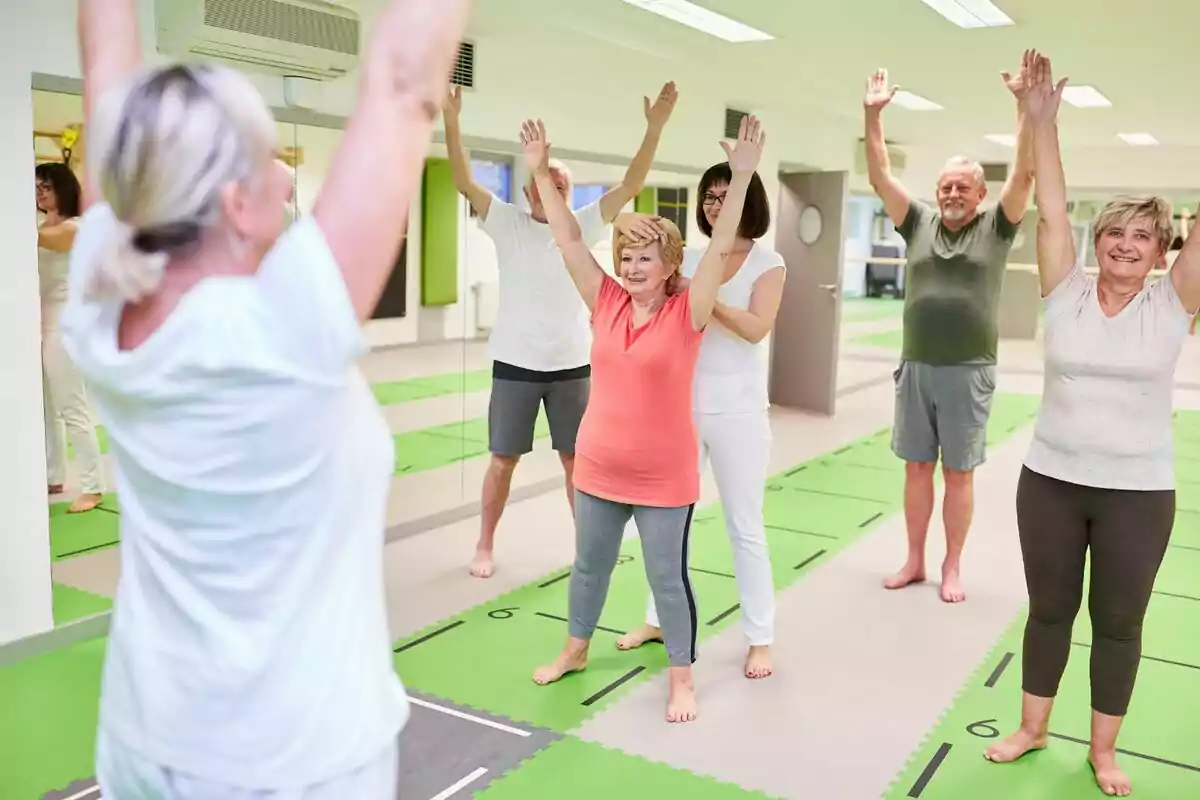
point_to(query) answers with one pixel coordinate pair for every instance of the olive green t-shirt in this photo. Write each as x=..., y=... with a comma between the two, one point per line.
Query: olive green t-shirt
x=952, y=284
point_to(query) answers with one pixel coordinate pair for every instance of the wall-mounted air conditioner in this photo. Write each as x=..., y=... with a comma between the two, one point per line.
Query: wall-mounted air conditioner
x=299, y=38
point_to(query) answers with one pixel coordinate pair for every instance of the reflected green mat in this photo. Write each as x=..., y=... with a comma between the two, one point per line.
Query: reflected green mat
x=892, y=340
x=406, y=391
x=865, y=309
x=1158, y=739
x=71, y=604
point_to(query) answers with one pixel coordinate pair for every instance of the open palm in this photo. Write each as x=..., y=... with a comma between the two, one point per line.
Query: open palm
x=879, y=93
x=1019, y=84
x=658, y=112
x=1043, y=96
x=747, y=150
x=535, y=145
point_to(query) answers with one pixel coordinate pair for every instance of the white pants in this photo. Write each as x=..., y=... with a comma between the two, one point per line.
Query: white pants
x=64, y=398
x=739, y=446
x=124, y=775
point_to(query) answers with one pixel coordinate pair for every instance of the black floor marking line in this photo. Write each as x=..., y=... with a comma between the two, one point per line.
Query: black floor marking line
x=1164, y=761
x=794, y=470
x=844, y=449
x=112, y=511
x=711, y=572
x=875, y=467
x=809, y=560
x=999, y=670
x=1179, y=596
x=429, y=636
x=1185, y=547
x=803, y=533
x=870, y=519
x=113, y=543
x=553, y=581
x=1147, y=658
x=839, y=494
x=1013, y=428
x=930, y=770
x=612, y=687
x=724, y=614
x=564, y=619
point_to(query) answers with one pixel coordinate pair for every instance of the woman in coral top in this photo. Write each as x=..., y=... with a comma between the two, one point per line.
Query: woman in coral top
x=636, y=453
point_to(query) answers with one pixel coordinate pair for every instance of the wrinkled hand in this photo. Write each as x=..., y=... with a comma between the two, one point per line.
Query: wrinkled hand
x=658, y=112
x=1043, y=96
x=747, y=150
x=1018, y=84
x=535, y=145
x=640, y=228
x=879, y=94
x=677, y=284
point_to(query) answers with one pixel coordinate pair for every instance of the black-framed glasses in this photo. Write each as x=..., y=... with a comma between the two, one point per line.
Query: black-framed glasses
x=713, y=200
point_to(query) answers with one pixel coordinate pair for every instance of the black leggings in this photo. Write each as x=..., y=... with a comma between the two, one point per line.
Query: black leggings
x=1127, y=532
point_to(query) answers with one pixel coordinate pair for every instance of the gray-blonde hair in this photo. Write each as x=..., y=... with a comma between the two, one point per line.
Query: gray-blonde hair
x=163, y=146
x=555, y=166
x=1124, y=209
x=962, y=162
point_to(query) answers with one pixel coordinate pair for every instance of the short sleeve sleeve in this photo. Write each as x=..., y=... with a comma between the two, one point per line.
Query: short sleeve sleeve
x=1166, y=300
x=917, y=214
x=1068, y=293
x=501, y=220
x=609, y=298
x=303, y=291
x=592, y=224
x=1005, y=228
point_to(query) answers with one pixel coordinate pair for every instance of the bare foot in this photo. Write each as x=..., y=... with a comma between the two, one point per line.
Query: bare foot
x=681, y=697
x=758, y=662
x=1015, y=746
x=952, y=588
x=85, y=502
x=1109, y=777
x=573, y=658
x=635, y=639
x=912, y=573
x=55, y=488
x=481, y=564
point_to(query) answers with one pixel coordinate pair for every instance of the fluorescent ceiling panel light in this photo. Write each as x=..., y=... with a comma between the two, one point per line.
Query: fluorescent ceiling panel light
x=710, y=22
x=914, y=102
x=1085, y=97
x=970, y=13
x=1006, y=139
x=1138, y=139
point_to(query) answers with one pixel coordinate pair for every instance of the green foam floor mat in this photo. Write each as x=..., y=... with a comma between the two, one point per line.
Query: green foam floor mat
x=892, y=340
x=811, y=512
x=78, y=534
x=593, y=772
x=407, y=391
x=865, y=309
x=48, y=726
x=71, y=604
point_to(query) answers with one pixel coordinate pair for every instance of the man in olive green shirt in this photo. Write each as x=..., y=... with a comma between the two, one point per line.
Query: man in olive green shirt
x=955, y=269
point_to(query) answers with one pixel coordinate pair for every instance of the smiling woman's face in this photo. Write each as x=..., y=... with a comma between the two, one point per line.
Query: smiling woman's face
x=644, y=273
x=1131, y=251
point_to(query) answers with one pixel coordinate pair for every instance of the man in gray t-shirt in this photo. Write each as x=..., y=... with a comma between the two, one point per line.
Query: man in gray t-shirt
x=956, y=259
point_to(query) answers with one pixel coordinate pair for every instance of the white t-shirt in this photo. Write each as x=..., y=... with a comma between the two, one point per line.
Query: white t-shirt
x=52, y=273
x=732, y=375
x=541, y=323
x=249, y=643
x=1105, y=419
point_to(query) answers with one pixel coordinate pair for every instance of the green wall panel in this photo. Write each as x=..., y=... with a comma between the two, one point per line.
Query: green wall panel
x=647, y=201
x=439, y=235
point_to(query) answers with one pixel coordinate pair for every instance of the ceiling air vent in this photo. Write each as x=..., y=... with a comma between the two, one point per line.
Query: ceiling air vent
x=733, y=122
x=464, y=67
x=315, y=25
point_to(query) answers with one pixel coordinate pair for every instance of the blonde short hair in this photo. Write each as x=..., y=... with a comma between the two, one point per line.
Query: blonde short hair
x=1124, y=209
x=671, y=246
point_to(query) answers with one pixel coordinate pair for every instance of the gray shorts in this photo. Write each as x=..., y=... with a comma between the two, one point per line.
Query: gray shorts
x=513, y=413
x=943, y=408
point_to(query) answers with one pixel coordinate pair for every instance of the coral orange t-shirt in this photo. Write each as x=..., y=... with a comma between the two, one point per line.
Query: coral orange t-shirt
x=637, y=441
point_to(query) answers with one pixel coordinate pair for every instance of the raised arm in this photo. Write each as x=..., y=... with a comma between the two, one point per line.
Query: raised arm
x=401, y=86
x=1186, y=272
x=743, y=160
x=754, y=323
x=1055, y=238
x=110, y=52
x=460, y=163
x=895, y=197
x=657, y=114
x=581, y=264
x=1014, y=197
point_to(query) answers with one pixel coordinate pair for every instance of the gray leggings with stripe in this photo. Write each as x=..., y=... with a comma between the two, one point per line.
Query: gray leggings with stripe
x=599, y=528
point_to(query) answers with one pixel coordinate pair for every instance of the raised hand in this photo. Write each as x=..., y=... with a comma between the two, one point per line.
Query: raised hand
x=452, y=104
x=747, y=150
x=431, y=31
x=658, y=112
x=535, y=145
x=879, y=94
x=1043, y=96
x=1018, y=84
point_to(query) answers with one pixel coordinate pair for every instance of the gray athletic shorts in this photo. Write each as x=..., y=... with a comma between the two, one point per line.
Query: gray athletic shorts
x=514, y=406
x=943, y=408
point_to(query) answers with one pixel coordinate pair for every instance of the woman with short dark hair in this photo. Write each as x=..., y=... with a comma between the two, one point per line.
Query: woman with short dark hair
x=64, y=393
x=731, y=405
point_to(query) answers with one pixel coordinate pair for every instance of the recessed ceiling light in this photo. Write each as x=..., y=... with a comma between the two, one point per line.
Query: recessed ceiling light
x=710, y=22
x=914, y=102
x=970, y=13
x=1006, y=139
x=1138, y=139
x=1085, y=97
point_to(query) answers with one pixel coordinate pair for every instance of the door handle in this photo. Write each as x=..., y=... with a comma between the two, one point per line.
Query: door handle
x=829, y=287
